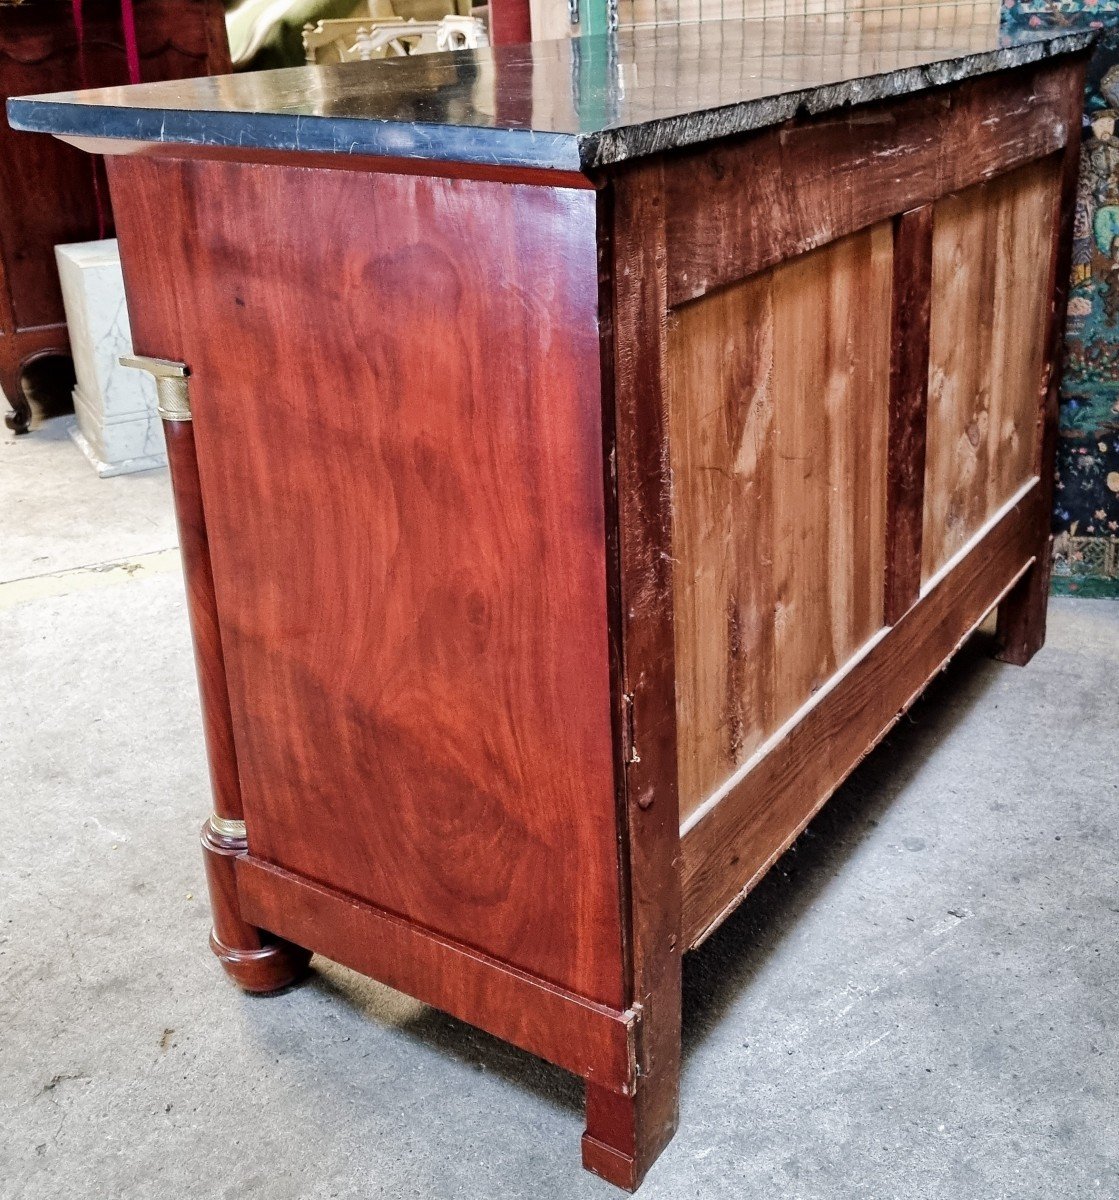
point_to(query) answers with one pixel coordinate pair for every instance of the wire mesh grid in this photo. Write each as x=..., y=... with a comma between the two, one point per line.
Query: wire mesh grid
x=902, y=14
x=698, y=57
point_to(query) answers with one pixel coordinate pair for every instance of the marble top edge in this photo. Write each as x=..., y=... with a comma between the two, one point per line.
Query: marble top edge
x=570, y=105
x=615, y=146
x=365, y=136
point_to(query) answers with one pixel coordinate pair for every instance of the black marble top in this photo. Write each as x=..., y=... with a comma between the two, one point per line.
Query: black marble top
x=567, y=105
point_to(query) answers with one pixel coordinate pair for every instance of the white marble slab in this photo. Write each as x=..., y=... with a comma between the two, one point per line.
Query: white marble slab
x=117, y=428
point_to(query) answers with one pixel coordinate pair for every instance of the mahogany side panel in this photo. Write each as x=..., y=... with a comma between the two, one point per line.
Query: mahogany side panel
x=991, y=266
x=779, y=412
x=818, y=179
x=727, y=851
x=909, y=394
x=589, y=1039
x=406, y=530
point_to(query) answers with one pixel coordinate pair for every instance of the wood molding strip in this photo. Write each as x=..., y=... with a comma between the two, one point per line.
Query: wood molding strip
x=588, y=1039
x=909, y=395
x=567, y=1030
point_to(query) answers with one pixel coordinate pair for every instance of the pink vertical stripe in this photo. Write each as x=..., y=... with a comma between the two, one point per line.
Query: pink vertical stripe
x=131, y=49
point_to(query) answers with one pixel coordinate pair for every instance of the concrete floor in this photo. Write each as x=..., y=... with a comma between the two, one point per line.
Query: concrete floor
x=921, y=1001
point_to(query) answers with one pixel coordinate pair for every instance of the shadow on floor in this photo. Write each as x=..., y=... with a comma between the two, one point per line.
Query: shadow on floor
x=717, y=973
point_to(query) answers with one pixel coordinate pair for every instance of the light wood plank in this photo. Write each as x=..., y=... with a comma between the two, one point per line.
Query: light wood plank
x=778, y=412
x=991, y=251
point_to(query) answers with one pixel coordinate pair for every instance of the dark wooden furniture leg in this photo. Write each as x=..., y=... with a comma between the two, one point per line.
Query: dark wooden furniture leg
x=1021, y=615
x=626, y=1131
x=254, y=959
x=18, y=420
x=51, y=342
x=1020, y=632
x=625, y=1134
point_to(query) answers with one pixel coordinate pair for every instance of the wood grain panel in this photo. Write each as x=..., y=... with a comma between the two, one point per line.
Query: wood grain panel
x=396, y=389
x=991, y=267
x=779, y=410
x=751, y=202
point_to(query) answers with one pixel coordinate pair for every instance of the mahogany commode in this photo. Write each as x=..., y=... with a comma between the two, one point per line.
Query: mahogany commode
x=583, y=453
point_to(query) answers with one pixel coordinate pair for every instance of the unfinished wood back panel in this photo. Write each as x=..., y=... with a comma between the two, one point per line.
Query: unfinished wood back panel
x=410, y=568
x=779, y=407
x=990, y=288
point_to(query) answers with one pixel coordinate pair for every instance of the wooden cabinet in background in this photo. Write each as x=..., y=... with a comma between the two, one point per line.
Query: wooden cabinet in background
x=51, y=193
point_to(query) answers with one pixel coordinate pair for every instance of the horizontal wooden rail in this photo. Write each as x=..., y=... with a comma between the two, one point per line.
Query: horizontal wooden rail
x=589, y=1039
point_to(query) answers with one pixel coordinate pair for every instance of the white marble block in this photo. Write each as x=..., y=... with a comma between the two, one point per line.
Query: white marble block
x=118, y=428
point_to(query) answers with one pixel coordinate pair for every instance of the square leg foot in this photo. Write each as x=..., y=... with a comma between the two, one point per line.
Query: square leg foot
x=1022, y=612
x=625, y=1134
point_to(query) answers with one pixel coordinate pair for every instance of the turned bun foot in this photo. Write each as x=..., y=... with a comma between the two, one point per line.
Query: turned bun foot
x=271, y=968
x=254, y=959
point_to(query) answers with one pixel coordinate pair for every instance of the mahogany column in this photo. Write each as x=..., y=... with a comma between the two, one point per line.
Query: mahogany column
x=254, y=959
